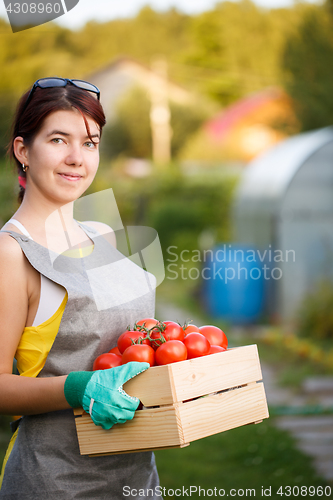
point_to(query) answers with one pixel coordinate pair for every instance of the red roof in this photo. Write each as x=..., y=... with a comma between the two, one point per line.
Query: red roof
x=229, y=117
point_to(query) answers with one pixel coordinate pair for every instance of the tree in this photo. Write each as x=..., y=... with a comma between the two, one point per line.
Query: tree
x=307, y=62
x=207, y=57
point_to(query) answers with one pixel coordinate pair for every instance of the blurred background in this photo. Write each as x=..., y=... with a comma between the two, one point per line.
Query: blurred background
x=219, y=136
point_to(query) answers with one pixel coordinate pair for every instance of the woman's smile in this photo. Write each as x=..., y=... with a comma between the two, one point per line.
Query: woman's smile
x=71, y=177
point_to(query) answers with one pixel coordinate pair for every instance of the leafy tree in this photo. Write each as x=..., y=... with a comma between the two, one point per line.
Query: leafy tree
x=208, y=41
x=208, y=59
x=308, y=68
x=42, y=51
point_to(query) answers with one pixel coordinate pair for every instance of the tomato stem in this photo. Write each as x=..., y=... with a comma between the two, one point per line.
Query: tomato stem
x=186, y=323
x=158, y=341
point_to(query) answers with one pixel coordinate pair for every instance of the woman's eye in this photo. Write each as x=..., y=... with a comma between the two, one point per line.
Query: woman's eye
x=91, y=144
x=57, y=140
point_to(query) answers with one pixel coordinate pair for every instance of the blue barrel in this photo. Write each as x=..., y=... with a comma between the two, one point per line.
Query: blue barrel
x=233, y=283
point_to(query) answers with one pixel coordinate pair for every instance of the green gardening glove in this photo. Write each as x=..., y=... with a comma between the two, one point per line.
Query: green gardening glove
x=101, y=393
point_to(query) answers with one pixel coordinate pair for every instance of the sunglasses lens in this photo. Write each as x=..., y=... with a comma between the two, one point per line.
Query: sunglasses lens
x=45, y=83
x=86, y=86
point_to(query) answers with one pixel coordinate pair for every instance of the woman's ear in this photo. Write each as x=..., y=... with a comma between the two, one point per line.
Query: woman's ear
x=20, y=150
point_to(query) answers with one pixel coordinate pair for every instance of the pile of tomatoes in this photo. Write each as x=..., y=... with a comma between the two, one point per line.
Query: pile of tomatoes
x=161, y=343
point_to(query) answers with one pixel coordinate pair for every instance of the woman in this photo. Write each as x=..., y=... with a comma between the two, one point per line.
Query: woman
x=53, y=271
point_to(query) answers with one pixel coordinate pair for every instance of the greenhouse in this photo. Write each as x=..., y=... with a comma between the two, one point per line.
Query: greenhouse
x=284, y=210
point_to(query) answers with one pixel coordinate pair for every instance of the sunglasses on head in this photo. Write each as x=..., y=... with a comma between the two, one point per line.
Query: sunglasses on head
x=47, y=83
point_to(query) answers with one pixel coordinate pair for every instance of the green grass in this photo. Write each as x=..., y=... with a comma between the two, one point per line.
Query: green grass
x=249, y=457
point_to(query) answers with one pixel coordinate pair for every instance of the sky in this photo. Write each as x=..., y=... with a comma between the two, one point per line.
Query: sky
x=104, y=10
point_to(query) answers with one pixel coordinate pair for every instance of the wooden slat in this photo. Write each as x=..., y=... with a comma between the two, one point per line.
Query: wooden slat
x=216, y=372
x=163, y=385
x=218, y=413
x=150, y=428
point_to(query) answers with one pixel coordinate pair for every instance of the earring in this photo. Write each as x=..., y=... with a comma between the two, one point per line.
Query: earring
x=24, y=167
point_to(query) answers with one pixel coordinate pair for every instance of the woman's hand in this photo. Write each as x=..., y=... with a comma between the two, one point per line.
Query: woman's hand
x=101, y=393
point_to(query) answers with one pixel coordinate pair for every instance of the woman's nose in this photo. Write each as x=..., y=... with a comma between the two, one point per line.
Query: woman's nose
x=74, y=156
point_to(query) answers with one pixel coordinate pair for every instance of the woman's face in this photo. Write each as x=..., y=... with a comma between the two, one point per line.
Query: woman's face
x=62, y=160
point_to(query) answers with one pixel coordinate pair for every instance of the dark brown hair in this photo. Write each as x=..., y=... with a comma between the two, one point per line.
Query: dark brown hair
x=28, y=122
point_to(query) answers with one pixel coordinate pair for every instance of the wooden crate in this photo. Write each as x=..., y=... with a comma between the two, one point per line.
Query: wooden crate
x=183, y=402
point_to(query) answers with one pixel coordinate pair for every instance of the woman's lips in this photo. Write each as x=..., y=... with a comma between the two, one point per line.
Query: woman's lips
x=71, y=177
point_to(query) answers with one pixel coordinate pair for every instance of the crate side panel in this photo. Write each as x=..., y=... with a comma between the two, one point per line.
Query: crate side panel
x=220, y=412
x=216, y=372
x=153, y=387
x=150, y=428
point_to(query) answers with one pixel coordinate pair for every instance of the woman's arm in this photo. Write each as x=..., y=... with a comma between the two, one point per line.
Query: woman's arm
x=20, y=395
x=29, y=396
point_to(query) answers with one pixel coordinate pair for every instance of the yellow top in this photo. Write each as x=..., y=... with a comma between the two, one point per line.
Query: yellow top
x=36, y=342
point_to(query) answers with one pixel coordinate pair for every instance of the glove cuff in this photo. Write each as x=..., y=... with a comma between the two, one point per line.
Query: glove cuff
x=75, y=385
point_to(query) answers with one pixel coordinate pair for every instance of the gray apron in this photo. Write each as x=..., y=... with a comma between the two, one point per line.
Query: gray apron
x=106, y=293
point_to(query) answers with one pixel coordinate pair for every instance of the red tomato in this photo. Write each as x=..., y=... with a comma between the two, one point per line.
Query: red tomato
x=190, y=329
x=169, y=330
x=107, y=360
x=171, y=352
x=139, y=352
x=196, y=345
x=173, y=331
x=147, y=323
x=214, y=335
x=115, y=350
x=216, y=348
x=126, y=338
